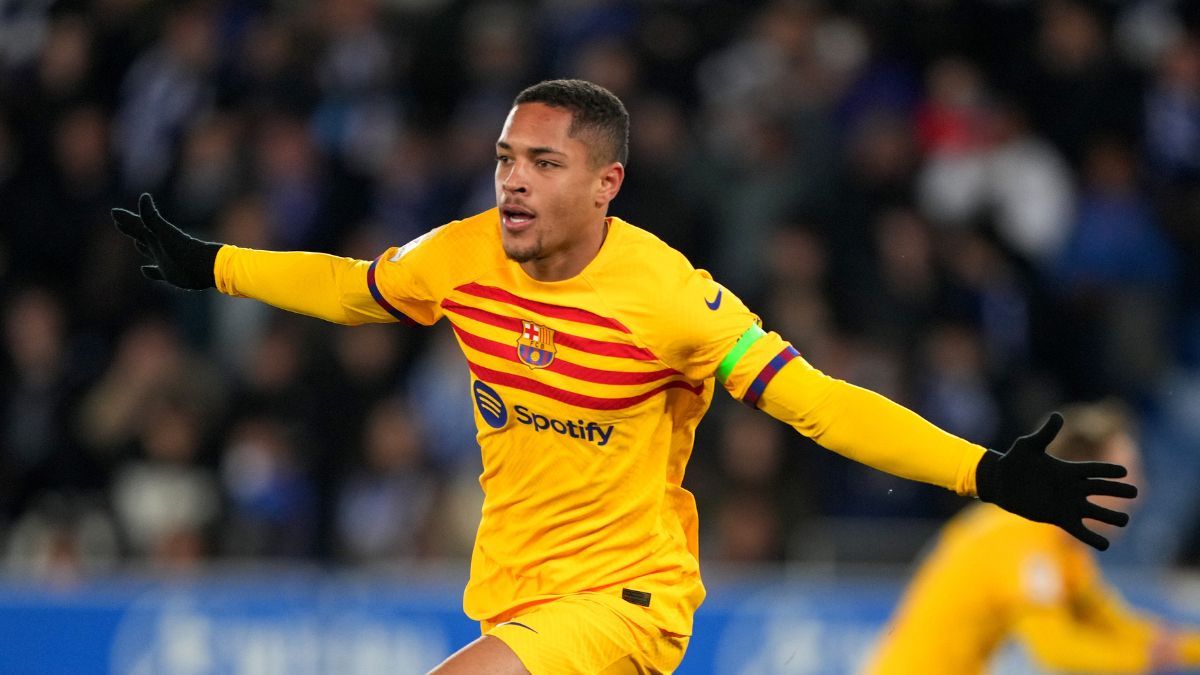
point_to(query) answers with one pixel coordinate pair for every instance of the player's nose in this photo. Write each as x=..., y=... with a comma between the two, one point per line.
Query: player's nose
x=513, y=179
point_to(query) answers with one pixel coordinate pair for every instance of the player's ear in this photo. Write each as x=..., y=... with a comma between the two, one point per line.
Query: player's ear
x=611, y=177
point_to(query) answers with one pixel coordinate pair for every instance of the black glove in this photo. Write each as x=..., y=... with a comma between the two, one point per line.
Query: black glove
x=1030, y=483
x=179, y=259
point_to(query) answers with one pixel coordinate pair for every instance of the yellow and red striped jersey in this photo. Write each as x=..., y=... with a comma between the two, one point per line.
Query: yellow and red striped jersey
x=587, y=395
x=588, y=392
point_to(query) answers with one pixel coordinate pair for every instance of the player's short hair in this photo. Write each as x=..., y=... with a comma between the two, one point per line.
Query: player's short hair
x=596, y=113
x=1088, y=428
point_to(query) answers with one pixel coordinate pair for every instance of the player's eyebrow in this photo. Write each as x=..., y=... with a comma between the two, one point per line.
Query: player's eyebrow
x=540, y=150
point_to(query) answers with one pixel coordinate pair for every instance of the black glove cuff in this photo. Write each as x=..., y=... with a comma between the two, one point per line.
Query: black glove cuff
x=987, y=484
x=204, y=262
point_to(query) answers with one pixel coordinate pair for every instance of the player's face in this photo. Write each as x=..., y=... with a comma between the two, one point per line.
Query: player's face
x=552, y=196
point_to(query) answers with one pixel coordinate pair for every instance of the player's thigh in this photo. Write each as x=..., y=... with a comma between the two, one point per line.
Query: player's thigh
x=590, y=633
x=485, y=656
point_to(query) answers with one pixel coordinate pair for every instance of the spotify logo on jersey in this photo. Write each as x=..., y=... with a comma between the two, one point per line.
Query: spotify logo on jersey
x=491, y=406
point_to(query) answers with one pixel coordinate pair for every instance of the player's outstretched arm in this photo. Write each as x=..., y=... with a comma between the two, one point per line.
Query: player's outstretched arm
x=1030, y=483
x=314, y=284
x=880, y=433
x=175, y=257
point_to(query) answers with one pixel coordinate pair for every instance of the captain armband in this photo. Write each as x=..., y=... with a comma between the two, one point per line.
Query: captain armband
x=755, y=391
x=753, y=334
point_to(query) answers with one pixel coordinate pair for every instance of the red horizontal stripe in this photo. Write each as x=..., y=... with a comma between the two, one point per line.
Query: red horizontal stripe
x=558, y=365
x=570, y=397
x=583, y=344
x=768, y=373
x=545, y=309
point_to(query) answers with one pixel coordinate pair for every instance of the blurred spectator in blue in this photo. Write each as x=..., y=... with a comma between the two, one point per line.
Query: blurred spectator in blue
x=384, y=508
x=1172, y=115
x=210, y=172
x=165, y=92
x=40, y=381
x=567, y=25
x=471, y=140
x=271, y=503
x=987, y=291
x=497, y=55
x=440, y=402
x=1115, y=277
x=22, y=30
x=1172, y=119
x=495, y=61
x=269, y=71
x=289, y=176
x=882, y=87
x=1075, y=85
x=358, y=116
x=413, y=188
x=953, y=390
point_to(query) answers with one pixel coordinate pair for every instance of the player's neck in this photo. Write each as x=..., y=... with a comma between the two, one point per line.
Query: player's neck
x=568, y=262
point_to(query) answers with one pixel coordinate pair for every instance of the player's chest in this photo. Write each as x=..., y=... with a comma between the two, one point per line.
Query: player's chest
x=561, y=347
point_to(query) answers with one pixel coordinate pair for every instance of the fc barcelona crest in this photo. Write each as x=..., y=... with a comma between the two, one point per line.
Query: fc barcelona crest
x=535, y=347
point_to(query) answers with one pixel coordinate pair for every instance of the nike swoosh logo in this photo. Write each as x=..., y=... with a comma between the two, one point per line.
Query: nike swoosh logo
x=715, y=302
x=514, y=623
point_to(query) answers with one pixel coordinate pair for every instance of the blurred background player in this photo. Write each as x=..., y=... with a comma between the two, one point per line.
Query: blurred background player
x=992, y=576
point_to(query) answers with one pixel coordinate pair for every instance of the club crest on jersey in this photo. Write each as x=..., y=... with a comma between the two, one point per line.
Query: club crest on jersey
x=535, y=347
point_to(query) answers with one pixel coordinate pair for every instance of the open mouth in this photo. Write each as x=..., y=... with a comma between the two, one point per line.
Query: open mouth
x=516, y=217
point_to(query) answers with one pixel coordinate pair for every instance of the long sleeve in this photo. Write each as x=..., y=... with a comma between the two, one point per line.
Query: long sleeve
x=1097, y=633
x=868, y=428
x=315, y=284
x=1092, y=629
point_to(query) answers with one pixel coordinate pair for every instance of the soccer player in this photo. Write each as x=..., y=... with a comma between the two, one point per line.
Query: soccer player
x=594, y=350
x=993, y=575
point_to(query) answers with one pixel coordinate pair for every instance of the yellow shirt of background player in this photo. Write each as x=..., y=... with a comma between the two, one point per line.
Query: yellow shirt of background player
x=994, y=575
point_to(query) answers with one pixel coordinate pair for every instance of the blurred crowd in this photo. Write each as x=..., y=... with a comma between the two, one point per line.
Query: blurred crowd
x=981, y=209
